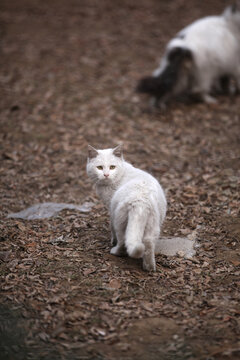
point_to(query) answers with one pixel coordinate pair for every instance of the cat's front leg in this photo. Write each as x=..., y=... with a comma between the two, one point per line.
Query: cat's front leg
x=156, y=104
x=113, y=236
x=118, y=250
x=153, y=103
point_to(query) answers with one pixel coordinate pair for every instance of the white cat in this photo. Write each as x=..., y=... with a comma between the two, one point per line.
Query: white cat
x=203, y=56
x=136, y=202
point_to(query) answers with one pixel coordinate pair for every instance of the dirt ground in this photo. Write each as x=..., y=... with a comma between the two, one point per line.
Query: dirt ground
x=68, y=73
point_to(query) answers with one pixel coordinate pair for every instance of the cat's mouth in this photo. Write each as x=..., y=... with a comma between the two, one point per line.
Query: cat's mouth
x=105, y=180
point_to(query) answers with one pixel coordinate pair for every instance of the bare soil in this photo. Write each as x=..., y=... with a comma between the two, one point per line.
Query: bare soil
x=68, y=74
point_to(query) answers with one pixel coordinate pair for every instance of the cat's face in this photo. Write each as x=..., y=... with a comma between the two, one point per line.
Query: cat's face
x=104, y=166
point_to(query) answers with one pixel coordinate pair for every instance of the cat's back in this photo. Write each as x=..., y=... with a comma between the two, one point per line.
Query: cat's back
x=203, y=27
x=138, y=185
x=133, y=175
x=206, y=36
x=205, y=32
x=138, y=188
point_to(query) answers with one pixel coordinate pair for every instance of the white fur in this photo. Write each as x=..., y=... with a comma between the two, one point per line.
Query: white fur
x=214, y=42
x=136, y=202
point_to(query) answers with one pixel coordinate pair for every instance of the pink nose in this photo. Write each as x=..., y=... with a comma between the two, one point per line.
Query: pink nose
x=106, y=175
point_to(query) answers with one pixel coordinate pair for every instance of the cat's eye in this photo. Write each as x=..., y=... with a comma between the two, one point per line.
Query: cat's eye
x=112, y=167
x=100, y=167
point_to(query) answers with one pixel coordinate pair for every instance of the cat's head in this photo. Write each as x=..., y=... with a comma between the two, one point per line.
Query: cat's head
x=232, y=13
x=105, y=166
x=148, y=85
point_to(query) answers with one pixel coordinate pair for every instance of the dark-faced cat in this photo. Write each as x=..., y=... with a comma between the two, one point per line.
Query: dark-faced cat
x=201, y=58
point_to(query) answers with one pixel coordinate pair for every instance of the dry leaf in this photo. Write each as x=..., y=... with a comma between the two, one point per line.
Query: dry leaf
x=115, y=284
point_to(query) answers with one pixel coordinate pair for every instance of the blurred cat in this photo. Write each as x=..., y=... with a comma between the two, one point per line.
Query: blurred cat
x=202, y=58
x=136, y=202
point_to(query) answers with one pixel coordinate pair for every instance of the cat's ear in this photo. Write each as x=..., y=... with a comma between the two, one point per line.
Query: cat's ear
x=118, y=151
x=92, y=153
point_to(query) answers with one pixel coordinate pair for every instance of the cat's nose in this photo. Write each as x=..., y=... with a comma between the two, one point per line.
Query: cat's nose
x=106, y=175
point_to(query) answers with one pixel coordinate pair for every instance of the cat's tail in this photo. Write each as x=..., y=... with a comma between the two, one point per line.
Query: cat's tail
x=178, y=59
x=137, y=219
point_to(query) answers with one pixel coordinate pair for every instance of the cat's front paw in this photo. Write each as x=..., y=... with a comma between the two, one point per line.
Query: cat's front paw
x=118, y=251
x=149, y=266
x=113, y=241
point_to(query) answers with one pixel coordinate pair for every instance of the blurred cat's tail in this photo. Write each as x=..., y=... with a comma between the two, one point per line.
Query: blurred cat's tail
x=137, y=219
x=167, y=78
